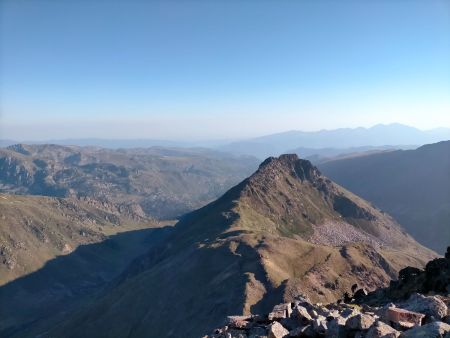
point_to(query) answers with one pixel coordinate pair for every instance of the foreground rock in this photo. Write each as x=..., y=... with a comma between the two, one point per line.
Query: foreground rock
x=414, y=315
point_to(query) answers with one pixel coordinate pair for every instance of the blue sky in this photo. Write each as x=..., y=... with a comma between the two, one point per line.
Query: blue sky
x=220, y=69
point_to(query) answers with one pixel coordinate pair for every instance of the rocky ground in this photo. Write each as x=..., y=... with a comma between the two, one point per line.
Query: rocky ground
x=416, y=305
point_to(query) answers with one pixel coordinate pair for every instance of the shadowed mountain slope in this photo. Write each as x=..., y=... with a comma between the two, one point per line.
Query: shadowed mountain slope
x=284, y=231
x=54, y=251
x=413, y=186
x=162, y=183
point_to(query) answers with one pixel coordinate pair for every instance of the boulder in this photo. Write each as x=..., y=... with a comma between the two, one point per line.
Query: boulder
x=301, y=314
x=360, y=322
x=402, y=317
x=382, y=330
x=432, y=330
x=280, y=311
x=428, y=305
x=276, y=330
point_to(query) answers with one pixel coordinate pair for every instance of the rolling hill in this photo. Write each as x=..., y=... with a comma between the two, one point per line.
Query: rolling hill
x=285, y=231
x=411, y=185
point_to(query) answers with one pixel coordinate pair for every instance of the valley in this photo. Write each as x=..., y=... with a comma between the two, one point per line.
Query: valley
x=249, y=251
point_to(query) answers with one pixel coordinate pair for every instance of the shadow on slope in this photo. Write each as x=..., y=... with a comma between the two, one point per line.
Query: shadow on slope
x=67, y=280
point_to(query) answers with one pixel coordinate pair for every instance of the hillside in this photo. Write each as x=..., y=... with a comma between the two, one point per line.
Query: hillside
x=284, y=231
x=162, y=183
x=413, y=186
x=53, y=251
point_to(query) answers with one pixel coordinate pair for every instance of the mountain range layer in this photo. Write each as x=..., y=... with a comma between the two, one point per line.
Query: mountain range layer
x=411, y=185
x=378, y=136
x=285, y=231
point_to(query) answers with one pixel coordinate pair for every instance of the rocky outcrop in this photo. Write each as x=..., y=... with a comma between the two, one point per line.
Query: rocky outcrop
x=417, y=315
x=435, y=278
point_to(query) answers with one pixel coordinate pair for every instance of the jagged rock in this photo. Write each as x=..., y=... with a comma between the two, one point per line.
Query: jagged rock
x=360, y=322
x=280, y=311
x=276, y=330
x=382, y=330
x=402, y=317
x=302, y=314
x=431, y=305
x=432, y=330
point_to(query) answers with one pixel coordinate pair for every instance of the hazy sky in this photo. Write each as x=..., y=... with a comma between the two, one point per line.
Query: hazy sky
x=218, y=69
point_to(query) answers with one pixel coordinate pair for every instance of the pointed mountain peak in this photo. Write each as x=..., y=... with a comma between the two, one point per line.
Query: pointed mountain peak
x=289, y=164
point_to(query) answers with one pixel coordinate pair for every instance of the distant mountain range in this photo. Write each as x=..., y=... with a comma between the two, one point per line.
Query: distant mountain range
x=321, y=143
x=284, y=231
x=411, y=185
x=378, y=136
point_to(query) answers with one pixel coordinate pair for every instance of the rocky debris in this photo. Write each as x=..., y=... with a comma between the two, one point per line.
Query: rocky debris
x=382, y=330
x=415, y=315
x=431, y=330
x=336, y=321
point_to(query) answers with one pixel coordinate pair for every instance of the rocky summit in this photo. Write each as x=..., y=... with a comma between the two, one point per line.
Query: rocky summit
x=284, y=232
x=411, y=315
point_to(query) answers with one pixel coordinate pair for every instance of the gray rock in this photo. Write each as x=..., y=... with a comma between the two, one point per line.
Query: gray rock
x=382, y=330
x=428, y=305
x=360, y=322
x=432, y=330
x=301, y=313
x=276, y=330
